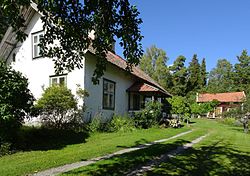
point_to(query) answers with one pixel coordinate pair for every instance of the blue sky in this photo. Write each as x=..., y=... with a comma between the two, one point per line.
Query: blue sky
x=212, y=29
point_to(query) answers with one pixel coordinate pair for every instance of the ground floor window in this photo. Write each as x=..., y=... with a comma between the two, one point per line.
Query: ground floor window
x=58, y=79
x=108, y=94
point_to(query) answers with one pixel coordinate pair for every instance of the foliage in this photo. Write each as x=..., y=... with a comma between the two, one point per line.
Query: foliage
x=95, y=124
x=179, y=105
x=16, y=101
x=194, y=74
x=5, y=148
x=149, y=116
x=42, y=138
x=179, y=77
x=220, y=78
x=154, y=63
x=203, y=74
x=73, y=21
x=57, y=107
x=120, y=123
x=202, y=108
x=242, y=71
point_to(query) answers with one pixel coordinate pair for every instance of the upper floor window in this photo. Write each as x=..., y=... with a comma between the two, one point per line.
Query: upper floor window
x=108, y=94
x=58, y=79
x=36, y=38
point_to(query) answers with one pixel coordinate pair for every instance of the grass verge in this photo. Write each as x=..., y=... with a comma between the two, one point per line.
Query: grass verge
x=121, y=165
x=99, y=144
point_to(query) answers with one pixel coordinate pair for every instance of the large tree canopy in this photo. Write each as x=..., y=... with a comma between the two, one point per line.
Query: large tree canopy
x=154, y=63
x=71, y=21
x=220, y=78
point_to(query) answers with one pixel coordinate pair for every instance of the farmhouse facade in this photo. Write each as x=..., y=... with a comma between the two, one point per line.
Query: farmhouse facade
x=118, y=91
x=227, y=101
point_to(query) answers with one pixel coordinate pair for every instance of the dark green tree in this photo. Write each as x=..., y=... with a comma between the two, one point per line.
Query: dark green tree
x=16, y=101
x=179, y=77
x=203, y=74
x=221, y=77
x=154, y=63
x=73, y=21
x=194, y=74
x=242, y=71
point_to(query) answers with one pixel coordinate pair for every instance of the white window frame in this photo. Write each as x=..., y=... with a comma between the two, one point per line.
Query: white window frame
x=35, y=43
x=109, y=93
x=57, y=78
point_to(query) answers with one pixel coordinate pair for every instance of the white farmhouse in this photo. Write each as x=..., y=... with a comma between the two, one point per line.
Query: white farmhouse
x=118, y=92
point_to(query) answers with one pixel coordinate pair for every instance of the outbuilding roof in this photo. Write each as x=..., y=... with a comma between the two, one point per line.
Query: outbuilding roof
x=221, y=97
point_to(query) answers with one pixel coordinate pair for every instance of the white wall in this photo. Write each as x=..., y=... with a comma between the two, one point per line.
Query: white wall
x=94, y=101
x=38, y=70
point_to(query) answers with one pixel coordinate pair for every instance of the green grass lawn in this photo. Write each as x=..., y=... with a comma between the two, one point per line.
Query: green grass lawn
x=41, y=158
x=226, y=151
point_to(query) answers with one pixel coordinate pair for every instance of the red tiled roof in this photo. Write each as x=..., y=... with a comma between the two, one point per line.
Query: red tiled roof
x=136, y=71
x=121, y=63
x=143, y=87
x=222, y=97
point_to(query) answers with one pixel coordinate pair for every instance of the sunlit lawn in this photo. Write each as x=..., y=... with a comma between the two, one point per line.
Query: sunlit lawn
x=226, y=151
x=56, y=154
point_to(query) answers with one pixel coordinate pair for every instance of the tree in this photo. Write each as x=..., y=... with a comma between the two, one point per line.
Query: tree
x=71, y=22
x=220, y=78
x=203, y=74
x=194, y=74
x=179, y=77
x=153, y=62
x=180, y=106
x=242, y=71
x=16, y=101
x=57, y=106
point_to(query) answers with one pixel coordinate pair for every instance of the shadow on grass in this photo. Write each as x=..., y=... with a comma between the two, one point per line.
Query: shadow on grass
x=32, y=138
x=125, y=163
x=209, y=160
x=140, y=142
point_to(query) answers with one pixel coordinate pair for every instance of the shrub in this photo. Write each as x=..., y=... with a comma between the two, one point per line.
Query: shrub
x=95, y=124
x=58, y=107
x=120, y=123
x=16, y=101
x=149, y=116
x=5, y=149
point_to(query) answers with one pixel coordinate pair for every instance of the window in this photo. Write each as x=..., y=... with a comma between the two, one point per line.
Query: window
x=136, y=102
x=58, y=79
x=108, y=94
x=36, y=38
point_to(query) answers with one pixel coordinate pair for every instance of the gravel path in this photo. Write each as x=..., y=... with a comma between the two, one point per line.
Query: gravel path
x=69, y=167
x=157, y=161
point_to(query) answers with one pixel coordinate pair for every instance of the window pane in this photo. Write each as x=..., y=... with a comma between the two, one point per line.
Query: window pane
x=54, y=81
x=62, y=80
x=108, y=94
x=35, y=39
x=40, y=37
x=105, y=86
x=148, y=99
x=111, y=101
x=105, y=100
x=35, y=50
x=111, y=87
